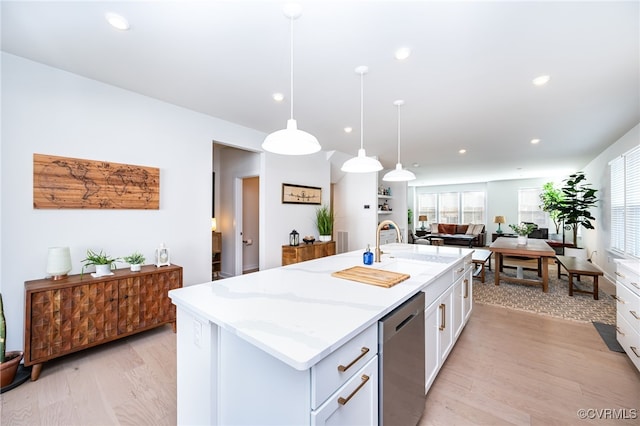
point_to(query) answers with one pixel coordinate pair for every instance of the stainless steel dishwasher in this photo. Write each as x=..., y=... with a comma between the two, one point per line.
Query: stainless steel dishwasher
x=401, y=364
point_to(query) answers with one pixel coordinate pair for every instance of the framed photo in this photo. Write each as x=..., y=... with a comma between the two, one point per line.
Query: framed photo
x=299, y=194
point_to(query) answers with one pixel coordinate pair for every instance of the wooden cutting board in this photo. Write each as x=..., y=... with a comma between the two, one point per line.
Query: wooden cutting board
x=373, y=276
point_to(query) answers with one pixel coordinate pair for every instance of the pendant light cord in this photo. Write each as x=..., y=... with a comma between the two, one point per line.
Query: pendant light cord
x=362, y=110
x=399, y=133
x=291, y=60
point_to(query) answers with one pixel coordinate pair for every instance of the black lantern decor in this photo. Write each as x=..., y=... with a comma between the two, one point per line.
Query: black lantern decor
x=294, y=238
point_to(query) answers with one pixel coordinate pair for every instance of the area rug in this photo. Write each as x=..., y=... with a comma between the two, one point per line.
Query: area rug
x=556, y=303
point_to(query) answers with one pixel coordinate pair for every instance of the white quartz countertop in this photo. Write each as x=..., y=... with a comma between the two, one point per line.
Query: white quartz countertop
x=299, y=313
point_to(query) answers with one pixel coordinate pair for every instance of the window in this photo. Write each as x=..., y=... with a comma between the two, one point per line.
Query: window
x=427, y=206
x=625, y=203
x=448, y=209
x=473, y=207
x=452, y=207
x=529, y=207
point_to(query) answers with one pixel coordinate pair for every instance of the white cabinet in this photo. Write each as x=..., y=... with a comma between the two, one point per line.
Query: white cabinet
x=448, y=307
x=628, y=308
x=388, y=236
x=355, y=403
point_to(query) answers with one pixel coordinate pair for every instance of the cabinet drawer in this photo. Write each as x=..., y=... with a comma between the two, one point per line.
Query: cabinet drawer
x=334, y=370
x=628, y=277
x=628, y=339
x=355, y=403
x=628, y=305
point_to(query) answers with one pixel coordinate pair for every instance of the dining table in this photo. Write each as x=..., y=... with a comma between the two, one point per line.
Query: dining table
x=533, y=249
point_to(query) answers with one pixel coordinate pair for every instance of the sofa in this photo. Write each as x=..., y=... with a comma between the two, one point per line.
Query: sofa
x=472, y=235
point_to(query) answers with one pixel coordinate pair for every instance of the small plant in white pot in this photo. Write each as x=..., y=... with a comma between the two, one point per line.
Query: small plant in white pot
x=324, y=223
x=135, y=261
x=522, y=230
x=103, y=262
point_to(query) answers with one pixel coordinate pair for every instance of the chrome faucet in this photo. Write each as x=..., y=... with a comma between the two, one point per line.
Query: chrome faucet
x=378, y=252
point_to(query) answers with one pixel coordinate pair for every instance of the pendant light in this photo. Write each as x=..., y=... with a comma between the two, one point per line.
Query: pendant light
x=361, y=163
x=291, y=141
x=399, y=174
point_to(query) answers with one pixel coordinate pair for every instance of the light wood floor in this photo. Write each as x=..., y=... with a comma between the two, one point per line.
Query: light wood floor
x=508, y=367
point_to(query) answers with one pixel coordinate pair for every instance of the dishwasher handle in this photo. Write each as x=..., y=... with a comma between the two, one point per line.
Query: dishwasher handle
x=394, y=322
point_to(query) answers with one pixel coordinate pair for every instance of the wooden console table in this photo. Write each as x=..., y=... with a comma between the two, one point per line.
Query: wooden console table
x=80, y=311
x=295, y=254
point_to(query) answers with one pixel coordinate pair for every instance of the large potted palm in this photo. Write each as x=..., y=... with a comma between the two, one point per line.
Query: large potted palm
x=575, y=208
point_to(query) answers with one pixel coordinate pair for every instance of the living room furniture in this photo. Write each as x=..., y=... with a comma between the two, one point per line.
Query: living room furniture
x=575, y=268
x=534, y=249
x=216, y=254
x=480, y=259
x=455, y=234
x=79, y=312
x=628, y=308
x=315, y=250
x=499, y=220
x=436, y=241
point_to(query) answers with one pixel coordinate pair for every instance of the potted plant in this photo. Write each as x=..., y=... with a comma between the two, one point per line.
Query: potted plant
x=551, y=197
x=103, y=262
x=324, y=223
x=135, y=261
x=523, y=230
x=9, y=361
x=578, y=199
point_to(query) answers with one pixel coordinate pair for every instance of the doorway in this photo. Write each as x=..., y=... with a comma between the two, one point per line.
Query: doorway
x=250, y=224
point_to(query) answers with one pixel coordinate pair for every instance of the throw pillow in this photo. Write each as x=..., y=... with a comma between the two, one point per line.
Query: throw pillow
x=470, y=229
x=478, y=228
x=434, y=228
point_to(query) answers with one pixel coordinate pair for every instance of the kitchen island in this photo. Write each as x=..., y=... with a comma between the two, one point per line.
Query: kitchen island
x=289, y=345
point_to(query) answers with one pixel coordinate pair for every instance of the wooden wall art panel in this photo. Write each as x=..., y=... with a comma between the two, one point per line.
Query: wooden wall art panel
x=72, y=183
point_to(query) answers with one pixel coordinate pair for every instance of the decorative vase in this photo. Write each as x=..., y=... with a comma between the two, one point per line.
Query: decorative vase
x=325, y=238
x=135, y=267
x=9, y=367
x=522, y=240
x=103, y=270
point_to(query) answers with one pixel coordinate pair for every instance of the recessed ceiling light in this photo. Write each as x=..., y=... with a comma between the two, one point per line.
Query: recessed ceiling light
x=278, y=97
x=403, y=53
x=535, y=141
x=118, y=22
x=416, y=165
x=348, y=129
x=462, y=151
x=541, y=80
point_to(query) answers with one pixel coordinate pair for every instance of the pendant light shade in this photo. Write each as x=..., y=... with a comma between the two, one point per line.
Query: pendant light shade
x=291, y=141
x=399, y=174
x=361, y=163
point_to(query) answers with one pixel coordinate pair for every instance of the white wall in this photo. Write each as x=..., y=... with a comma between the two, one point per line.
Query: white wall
x=597, y=173
x=49, y=111
x=279, y=219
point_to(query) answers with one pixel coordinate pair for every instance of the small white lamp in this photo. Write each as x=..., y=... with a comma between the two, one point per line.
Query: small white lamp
x=58, y=262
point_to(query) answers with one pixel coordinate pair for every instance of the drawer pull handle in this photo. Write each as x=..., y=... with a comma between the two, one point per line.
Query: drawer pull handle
x=443, y=316
x=460, y=270
x=618, y=299
x=635, y=314
x=635, y=351
x=343, y=401
x=619, y=331
x=636, y=285
x=620, y=275
x=342, y=368
x=466, y=288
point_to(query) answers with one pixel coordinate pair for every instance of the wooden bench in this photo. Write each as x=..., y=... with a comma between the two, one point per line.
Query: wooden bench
x=576, y=267
x=480, y=258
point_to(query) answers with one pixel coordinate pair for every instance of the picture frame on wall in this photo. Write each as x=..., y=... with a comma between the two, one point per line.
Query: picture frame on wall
x=301, y=194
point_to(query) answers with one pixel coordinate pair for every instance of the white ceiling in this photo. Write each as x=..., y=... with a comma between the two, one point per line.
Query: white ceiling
x=466, y=85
